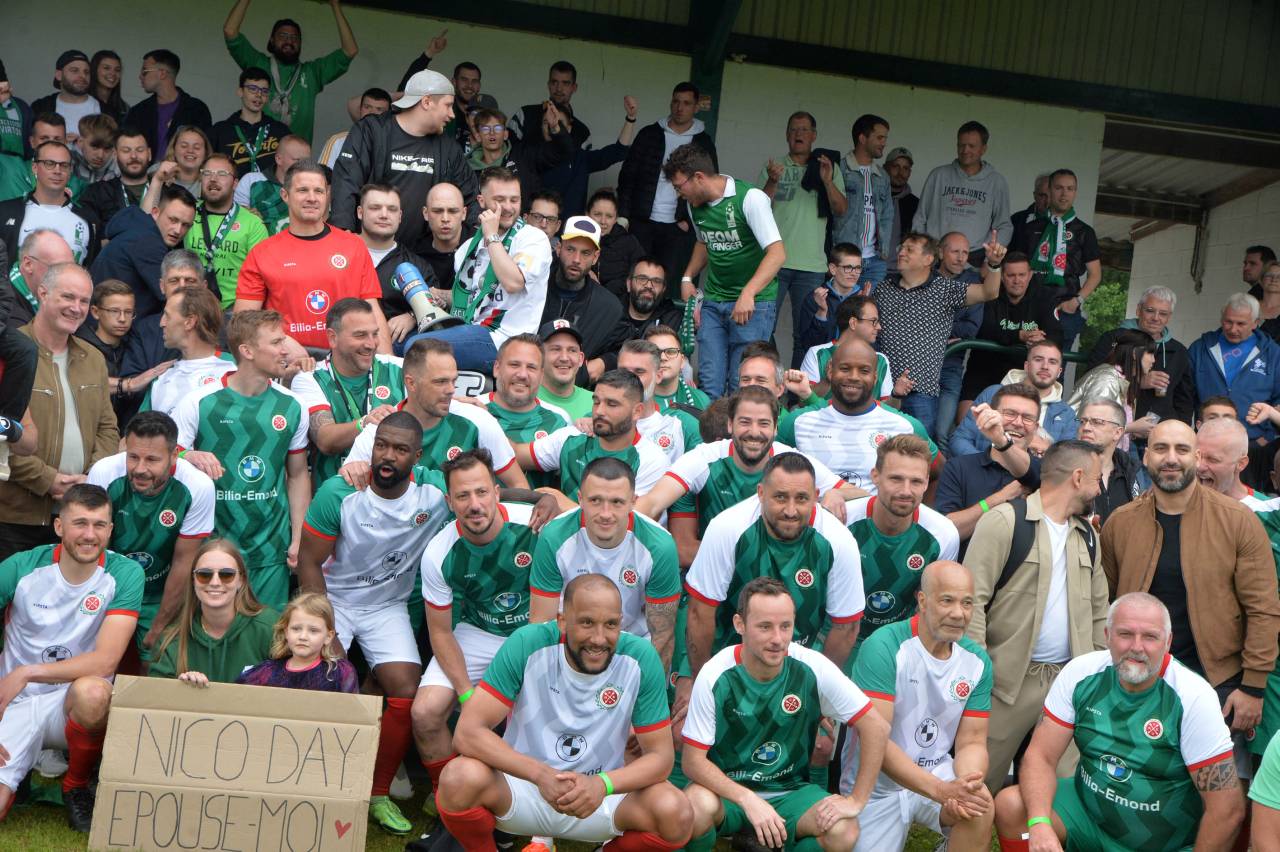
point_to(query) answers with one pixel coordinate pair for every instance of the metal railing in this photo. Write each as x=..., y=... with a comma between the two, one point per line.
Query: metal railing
x=1016, y=351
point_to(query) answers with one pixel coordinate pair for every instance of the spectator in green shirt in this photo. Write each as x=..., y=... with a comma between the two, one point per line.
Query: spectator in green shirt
x=294, y=84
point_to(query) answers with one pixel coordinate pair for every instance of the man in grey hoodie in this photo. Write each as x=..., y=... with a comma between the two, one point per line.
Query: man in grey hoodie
x=966, y=195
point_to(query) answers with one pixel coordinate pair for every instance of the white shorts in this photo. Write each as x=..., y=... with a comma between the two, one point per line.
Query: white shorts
x=479, y=647
x=384, y=634
x=530, y=815
x=32, y=723
x=886, y=819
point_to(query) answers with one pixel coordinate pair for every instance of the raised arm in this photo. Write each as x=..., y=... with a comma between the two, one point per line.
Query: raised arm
x=231, y=27
x=348, y=39
x=990, y=286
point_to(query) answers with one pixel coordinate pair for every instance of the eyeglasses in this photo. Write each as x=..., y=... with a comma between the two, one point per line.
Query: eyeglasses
x=681, y=185
x=873, y=321
x=490, y=128
x=1030, y=419
x=219, y=173
x=204, y=576
x=287, y=37
x=850, y=269
x=539, y=219
x=257, y=90
x=648, y=279
x=122, y=313
x=673, y=352
x=1097, y=422
x=55, y=165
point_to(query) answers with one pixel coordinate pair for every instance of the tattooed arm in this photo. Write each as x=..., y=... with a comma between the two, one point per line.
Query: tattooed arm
x=1223, y=804
x=662, y=629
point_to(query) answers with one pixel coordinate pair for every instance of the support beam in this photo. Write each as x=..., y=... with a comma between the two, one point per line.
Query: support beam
x=1122, y=202
x=1241, y=186
x=710, y=24
x=1215, y=147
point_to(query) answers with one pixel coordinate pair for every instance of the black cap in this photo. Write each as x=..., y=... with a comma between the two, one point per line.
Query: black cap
x=70, y=56
x=559, y=326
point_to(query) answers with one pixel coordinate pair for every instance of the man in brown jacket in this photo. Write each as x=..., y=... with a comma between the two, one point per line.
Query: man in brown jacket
x=1208, y=560
x=71, y=407
x=1050, y=608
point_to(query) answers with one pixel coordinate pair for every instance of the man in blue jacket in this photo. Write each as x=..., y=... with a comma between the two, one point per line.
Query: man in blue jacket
x=1042, y=369
x=1240, y=362
x=140, y=239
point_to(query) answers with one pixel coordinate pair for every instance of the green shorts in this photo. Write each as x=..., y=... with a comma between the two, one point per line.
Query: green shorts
x=1083, y=833
x=790, y=806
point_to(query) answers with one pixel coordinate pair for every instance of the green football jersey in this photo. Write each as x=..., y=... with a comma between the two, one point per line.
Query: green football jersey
x=524, y=427
x=264, y=196
x=569, y=451
x=732, y=233
x=486, y=586
x=1265, y=732
x=685, y=395
x=892, y=564
x=252, y=436
x=818, y=357
x=245, y=231
x=1138, y=750
x=347, y=398
x=761, y=734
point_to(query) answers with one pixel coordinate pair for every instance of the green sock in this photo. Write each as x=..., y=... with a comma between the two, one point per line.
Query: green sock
x=702, y=843
x=819, y=775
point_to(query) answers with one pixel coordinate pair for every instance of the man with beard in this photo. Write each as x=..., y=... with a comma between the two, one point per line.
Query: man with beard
x=72, y=101
x=190, y=325
x=754, y=716
x=161, y=510
x=247, y=136
x=72, y=608
x=606, y=536
x=974, y=484
x=294, y=84
x=500, y=280
x=572, y=295
x=1040, y=596
x=249, y=434
x=354, y=388
x=514, y=402
x=1222, y=455
x=671, y=389
x=1208, y=560
x=359, y=547
x=475, y=580
x=380, y=214
x=933, y=684
x=1041, y=369
x=897, y=165
x=618, y=402
x=896, y=534
x=675, y=430
x=1151, y=739
x=572, y=692
x=139, y=241
x=223, y=232
x=562, y=360
x=105, y=199
x=49, y=206
x=646, y=305
x=844, y=435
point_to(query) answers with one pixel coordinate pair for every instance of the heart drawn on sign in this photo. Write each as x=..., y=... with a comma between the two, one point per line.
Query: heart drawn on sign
x=341, y=827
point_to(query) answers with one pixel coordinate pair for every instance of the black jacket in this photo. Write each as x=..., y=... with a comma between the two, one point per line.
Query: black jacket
x=377, y=150
x=1124, y=484
x=1001, y=323
x=1172, y=358
x=14, y=211
x=593, y=311
x=629, y=328
x=530, y=127
x=191, y=110
x=618, y=253
x=393, y=303
x=144, y=347
x=104, y=199
x=133, y=256
x=638, y=179
x=224, y=139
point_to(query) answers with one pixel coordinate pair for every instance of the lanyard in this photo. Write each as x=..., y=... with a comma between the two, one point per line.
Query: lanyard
x=256, y=146
x=213, y=243
x=347, y=400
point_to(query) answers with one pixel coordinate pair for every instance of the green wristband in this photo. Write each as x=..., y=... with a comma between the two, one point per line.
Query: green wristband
x=983, y=505
x=462, y=699
x=1038, y=820
x=608, y=783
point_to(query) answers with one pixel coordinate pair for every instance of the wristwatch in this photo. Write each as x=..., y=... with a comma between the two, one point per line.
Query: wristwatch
x=492, y=238
x=1006, y=445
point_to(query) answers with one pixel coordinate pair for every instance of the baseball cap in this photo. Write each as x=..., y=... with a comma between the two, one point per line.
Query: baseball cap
x=581, y=226
x=558, y=326
x=422, y=84
x=70, y=56
x=899, y=152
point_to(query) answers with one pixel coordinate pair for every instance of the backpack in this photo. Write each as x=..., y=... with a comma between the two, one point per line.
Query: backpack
x=1024, y=536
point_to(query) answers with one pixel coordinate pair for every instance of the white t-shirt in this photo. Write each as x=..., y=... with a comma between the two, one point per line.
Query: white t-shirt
x=73, y=454
x=184, y=377
x=60, y=218
x=376, y=255
x=508, y=314
x=1053, y=645
x=491, y=437
x=74, y=112
x=847, y=443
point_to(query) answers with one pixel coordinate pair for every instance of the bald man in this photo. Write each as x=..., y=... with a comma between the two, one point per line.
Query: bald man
x=1206, y=557
x=844, y=435
x=944, y=680
x=1223, y=454
x=446, y=215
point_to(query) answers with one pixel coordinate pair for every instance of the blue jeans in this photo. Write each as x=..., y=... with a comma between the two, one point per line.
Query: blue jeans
x=799, y=284
x=923, y=408
x=721, y=340
x=473, y=347
x=874, y=270
x=950, y=380
x=1072, y=325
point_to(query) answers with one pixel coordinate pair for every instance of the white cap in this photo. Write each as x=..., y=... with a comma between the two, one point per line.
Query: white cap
x=584, y=227
x=422, y=84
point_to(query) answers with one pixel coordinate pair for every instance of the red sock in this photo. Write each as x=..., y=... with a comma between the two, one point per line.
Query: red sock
x=1010, y=845
x=435, y=767
x=84, y=750
x=640, y=841
x=393, y=741
x=473, y=828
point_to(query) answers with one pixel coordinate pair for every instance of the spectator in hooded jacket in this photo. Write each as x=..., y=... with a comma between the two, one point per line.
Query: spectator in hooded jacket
x=966, y=195
x=139, y=241
x=619, y=250
x=492, y=145
x=1239, y=361
x=1041, y=370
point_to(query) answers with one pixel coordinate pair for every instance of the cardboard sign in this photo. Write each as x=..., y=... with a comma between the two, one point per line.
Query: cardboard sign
x=235, y=768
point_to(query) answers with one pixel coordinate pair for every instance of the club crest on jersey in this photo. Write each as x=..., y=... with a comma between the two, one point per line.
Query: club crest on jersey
x=878, y=438
x=1114, y=768
x=421, y=518
x=235, y=226
x=279, y=423
x=523, y=559
x=804, y=578
x=1153, y=728
x=767, y=753
x=318, y=300
x=338, y=261
x=570, y=747
x=608, y=696
x=167, y=517
x=506, y=601
x=664, y=441
x=791, y=704
x=541, y=433
x=91, y=604
x=381, y=392
x=208, y=380
x=960, y=688
x=926, y=733
x=453, y=453
x=55, y=654
x=915, y=562
x=881, y=601
x=252, y=468
x=629, y=577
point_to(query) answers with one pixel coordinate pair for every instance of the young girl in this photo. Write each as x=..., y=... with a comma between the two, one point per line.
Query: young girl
x=302, y=656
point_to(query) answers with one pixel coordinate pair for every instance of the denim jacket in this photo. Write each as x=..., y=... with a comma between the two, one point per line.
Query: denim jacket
x=849, y=228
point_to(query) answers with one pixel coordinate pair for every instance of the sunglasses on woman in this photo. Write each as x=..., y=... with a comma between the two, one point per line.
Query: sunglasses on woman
x=204, y=576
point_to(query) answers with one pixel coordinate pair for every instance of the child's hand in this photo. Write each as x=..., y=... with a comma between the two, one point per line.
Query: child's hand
x=194, y=678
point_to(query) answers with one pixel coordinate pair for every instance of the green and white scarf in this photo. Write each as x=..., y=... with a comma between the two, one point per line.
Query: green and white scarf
x=1051, y=252
x=20, y=287
x=466, y=304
